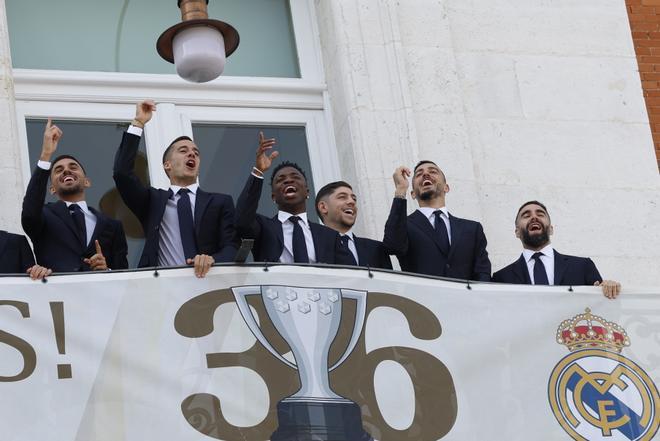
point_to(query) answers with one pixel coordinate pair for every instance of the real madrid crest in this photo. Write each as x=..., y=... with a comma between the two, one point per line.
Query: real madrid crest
x=595, y=392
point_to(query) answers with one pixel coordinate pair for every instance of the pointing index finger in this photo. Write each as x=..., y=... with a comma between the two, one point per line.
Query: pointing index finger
x=98, y=247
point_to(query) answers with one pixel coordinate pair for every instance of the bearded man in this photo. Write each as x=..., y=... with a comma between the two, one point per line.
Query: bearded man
x=68, y=235
x=541, y=264
x=431, y=240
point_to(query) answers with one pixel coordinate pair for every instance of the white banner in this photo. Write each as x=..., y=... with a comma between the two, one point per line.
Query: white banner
x=131, y=356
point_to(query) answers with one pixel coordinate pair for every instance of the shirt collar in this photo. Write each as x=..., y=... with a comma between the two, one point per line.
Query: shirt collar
x=428, y=211
x=81, y=204
x=350, y=235
x=283, y=216
x=193, y=188
x=547, y=251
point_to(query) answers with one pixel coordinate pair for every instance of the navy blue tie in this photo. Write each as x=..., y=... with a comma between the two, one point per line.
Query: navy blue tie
x=540, y=276
x=441, y=231
x=344, y=243
x=298, y=241
x=186, y=224
x=79, y=219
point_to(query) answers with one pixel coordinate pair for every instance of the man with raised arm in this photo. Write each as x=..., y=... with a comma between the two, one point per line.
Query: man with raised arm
x=68, y=235
x=541, y=264
x=337, y=206
x=287, y=237
x=431, y=240
x=183, y=224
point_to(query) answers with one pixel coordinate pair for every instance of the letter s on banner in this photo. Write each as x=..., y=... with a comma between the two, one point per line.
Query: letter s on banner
x=27, y=351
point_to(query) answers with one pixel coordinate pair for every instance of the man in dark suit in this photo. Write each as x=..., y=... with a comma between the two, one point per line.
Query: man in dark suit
x=430, y=240
x=16, y=257
x=540, y=264
x=183, y=225
x=336, y=205
x=288, y=237
x=68, y=235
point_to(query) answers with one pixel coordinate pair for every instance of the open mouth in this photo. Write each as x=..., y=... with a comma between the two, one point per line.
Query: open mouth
x=68, y=179
x=349, y=211
x=290, y=190
x=426, y=182
x=535, y=226
x=190, y=163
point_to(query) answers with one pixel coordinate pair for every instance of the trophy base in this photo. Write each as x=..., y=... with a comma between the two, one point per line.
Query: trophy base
x=319, y=421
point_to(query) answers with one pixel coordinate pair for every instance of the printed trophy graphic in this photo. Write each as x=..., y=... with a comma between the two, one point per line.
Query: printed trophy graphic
x=308, y=320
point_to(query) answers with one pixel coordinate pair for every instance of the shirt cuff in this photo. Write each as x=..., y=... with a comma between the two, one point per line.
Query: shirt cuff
x=257, y=176
x=134, y=130
x=44, y=165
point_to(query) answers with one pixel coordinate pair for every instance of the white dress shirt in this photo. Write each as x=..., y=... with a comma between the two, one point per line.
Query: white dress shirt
x=287, y=230
x=170, y=246
x=90, y=218
x=428, y=212
x=351, y=245
x=548, y=259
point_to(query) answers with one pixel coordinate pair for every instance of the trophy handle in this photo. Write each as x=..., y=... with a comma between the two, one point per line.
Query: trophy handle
x=360, y=314
x=240, y=295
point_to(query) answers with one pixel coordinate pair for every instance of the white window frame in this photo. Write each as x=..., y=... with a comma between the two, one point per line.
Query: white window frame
x=111, y=96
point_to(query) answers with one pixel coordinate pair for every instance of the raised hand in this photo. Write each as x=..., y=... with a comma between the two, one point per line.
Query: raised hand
x=97, y=261
x=401, y=183
x=144, y=110
x=202, y=264
x=52, y=135
x=263, y=161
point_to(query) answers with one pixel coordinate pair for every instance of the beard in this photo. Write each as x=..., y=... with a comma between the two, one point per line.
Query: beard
x=70, y=191
x=536, y=240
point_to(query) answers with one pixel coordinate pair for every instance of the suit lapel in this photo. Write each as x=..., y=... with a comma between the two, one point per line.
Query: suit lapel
x=202, y=200
x=101, y=222
x=423, y=223
x=279, y=233
x=4, y=238
x=456, y=233
x=560, y=267
x=521, y=271
x=163, y=196
x=62, y=211
x=316, y=238
x=360, y=248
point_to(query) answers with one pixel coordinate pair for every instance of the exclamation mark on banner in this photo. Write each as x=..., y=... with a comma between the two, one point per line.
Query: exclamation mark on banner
x=57, y=311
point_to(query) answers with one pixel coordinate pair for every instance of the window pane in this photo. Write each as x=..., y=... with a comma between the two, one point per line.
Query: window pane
x=120, y=35
x=228, y=154
x=94, y=144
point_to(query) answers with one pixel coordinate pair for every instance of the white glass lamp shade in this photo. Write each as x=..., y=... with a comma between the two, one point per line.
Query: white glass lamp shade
x=199, y=53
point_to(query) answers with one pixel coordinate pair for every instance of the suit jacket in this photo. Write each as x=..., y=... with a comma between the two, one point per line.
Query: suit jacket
x=415, y=243
x=214, y=212
x=569, y=270
x=372, y=253
x=15, y=253
x=55, y=237
x=267, y=231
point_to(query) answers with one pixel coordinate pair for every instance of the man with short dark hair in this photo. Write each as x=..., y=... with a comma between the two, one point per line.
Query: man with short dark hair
x=336, y=205
x=288, y=237
x=183, y=225
x=16, y=257
x=68, y=235
x=432, y=241
x=541, y=264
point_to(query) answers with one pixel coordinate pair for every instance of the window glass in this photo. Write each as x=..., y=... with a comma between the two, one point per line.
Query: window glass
x=94, y=144
x=228, y=154
x=120, y=35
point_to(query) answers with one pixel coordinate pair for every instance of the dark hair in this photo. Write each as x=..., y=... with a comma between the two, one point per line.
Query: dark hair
x=326, y=191
x=424, y=161
x=284, y=164
x=59, y=158
x=530, y=203
x=169, y=147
